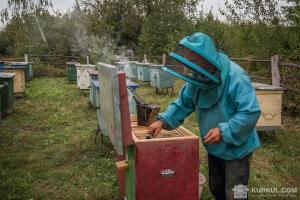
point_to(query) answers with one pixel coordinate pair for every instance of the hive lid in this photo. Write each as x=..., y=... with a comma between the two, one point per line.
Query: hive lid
x=114, y=109
x=92, y=72
x=7, y=75
x=71, y=63
x=155, y=66
x=262, y=86
x=120, y=62
x=85, y=65
x=18, y=63
x=14, y=67
x=131, y=84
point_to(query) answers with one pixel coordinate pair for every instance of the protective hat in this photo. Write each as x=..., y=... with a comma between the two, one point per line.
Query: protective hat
x=195, y=60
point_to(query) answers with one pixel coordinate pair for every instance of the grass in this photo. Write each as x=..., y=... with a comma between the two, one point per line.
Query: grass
x=47, y=148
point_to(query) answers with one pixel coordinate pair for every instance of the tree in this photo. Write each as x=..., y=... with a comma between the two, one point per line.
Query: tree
x=19, y=8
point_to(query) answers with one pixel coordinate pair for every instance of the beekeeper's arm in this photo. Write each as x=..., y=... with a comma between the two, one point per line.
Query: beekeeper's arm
x=243, y=97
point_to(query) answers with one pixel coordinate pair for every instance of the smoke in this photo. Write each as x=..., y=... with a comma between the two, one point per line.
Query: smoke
x=100, y=48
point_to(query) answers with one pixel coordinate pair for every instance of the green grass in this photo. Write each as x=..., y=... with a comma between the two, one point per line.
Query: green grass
x=47, y=148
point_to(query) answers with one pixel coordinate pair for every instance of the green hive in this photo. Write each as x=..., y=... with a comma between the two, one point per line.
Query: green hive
x=7, y=100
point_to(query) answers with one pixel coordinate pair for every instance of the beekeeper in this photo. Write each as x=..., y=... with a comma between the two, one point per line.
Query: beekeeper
x=220, y=92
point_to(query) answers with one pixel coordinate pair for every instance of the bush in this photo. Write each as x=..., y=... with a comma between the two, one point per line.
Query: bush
x=43, y=70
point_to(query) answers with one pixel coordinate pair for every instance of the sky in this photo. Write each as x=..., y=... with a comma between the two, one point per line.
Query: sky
x=64, y=5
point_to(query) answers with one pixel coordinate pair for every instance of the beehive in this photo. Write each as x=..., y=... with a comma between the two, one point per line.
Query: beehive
x=154, y=172
x=30, y=65
x=270, y=101
x=165, y=167
x=71, y=71
x=83, y=78
x=23, y=64
x=131, y=69
x=19, y=79
x=93, y=76
x=143, y=71
x=94, y=92
x=121, y=65
x=161, y=79
x=1, y=93
x=132, y=104
x=1, y=65
x=7, y=100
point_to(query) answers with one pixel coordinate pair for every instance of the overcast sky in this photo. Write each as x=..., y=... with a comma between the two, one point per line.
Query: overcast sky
x=64, y=5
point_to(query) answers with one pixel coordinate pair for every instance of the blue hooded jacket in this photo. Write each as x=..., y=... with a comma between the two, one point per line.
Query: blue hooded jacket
x=230, y=105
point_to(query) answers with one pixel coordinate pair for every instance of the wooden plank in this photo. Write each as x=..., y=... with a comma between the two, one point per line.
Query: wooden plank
x=262, y=86
x=275, y=71
x=110, y=117
x=289, y=64
x=124, y=108
x=121, y=165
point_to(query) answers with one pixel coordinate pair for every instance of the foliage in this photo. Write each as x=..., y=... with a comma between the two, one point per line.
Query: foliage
x=19, y=8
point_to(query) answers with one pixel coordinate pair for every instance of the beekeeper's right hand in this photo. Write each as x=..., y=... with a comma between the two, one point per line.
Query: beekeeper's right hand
x=155, y=128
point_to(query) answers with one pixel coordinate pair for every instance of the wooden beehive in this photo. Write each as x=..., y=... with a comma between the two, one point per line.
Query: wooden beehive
x=270, y=101
x=71, y=71
x=161, y=79
x=83, y=78
x=121, y=65
x=93, y=76
x=23, y=64
x=165, y=167
x=19, y=79
x=131, y=69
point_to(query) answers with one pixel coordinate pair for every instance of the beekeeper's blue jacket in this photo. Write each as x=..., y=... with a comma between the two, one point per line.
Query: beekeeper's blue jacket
x=230, y=105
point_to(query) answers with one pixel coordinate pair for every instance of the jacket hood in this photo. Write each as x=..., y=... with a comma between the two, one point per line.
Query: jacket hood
x=208, y=92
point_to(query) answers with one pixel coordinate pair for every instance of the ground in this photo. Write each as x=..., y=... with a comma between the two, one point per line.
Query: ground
x=48, y=149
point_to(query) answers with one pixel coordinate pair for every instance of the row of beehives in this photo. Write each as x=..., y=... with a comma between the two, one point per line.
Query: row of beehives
x=13, y=79
x=147, y=72
x=86, y=77
x=135, y=71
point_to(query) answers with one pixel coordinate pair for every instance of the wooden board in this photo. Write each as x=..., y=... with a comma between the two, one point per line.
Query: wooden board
x=110, y=117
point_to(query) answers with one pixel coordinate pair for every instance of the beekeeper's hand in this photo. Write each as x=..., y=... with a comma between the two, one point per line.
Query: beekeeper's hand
x=213, y=136
x=155, y=128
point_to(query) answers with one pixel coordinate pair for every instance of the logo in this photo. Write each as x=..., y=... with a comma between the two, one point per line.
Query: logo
x=240, y=191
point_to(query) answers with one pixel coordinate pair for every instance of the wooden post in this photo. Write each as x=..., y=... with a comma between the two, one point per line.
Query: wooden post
x=145, y=58
x=275, y=70
x=164, y=59
x=26, y=57
x=87, y=60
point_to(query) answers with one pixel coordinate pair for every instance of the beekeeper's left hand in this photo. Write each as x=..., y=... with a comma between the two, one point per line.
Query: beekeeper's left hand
x=213, y=136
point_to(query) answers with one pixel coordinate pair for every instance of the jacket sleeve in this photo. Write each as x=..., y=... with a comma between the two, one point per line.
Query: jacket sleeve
x=242, y=95
x=178, y=110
